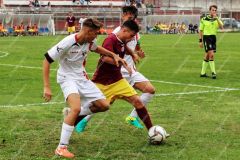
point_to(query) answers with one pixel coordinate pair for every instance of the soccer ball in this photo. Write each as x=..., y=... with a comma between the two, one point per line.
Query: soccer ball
x=157, y=134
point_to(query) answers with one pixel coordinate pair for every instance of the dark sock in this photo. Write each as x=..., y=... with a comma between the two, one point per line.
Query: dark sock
x=144, y=116
x=79, y=118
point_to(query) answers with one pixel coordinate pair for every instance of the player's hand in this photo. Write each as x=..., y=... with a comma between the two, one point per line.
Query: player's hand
x=125, y=65
x=135, y=58
x=200, y=44
x=140, y=53
x=47, y=94
x=118, y=60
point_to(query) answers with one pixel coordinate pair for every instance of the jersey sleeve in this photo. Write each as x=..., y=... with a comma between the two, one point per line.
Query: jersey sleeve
x=220, y=22
x=61, y=48
x=201, y=26
x=93, y=46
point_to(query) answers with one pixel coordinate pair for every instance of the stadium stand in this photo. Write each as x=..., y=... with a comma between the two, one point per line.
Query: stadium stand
x=63, y=3
x=109, y=12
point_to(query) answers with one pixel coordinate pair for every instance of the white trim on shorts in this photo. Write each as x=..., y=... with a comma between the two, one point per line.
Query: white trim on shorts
x=134, y=78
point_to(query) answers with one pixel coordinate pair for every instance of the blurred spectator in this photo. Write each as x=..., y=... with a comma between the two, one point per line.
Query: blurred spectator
x=133, y=3
x=36, y=4
x=49, y=5
x=182, y=29
x=149, y=8
x=70, y=23
x=31, y=5
x=15, y=30
x=29, y=30
x=127, y=2
x=21, y=29
x=3, y=31
x=190, y=28
x=139, y=3
x=35, y=29
x=195, y=27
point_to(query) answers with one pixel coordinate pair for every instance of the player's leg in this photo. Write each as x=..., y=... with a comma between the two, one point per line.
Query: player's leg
x=93, y=101
x=100, y=105
x=73, y=101
x=148, y=92
x=140, y=109
x=211, y=56
x=206, y=42
x=204, y=65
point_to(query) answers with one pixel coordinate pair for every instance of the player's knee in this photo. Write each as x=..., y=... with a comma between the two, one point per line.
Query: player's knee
x=75, y=110
x=104, y=106
x=150, y=89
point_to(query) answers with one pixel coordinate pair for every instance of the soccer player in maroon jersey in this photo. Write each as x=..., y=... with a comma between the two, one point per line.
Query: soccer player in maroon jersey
x=70, y=23
x=108, y=77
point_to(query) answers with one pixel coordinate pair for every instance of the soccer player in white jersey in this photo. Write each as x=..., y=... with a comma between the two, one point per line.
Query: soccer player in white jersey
x=78, y=90
x=136, y=79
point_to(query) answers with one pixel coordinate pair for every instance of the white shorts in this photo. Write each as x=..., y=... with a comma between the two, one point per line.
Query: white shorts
x=135, y=78
x=87, y=90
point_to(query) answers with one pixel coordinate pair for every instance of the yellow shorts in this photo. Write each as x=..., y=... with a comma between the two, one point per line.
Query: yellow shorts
x=71, y=29
x=117, y=90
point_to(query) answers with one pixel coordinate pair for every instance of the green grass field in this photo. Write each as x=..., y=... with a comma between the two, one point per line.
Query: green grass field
x=201, y=114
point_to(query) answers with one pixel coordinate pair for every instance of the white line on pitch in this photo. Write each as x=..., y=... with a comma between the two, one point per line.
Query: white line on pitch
x=5, y=54
x=32, y=104
x=20, y=66
x=176, y=83
x=189, y=84
x=195, y=92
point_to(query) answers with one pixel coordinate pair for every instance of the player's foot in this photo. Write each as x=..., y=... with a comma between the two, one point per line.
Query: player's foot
x=63, y=152
x=80, y=127
x=134, y=121
x=65, y=111
x=214, y=76
x=203, y=75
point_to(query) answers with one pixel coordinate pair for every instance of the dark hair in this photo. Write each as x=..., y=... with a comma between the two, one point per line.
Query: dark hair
x=132, y=25
x=212, y=6
x=92, y=23
x=130, y=9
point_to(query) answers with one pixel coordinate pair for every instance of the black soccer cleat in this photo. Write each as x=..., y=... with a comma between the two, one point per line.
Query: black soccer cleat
x=203, y=75
x=214, y=76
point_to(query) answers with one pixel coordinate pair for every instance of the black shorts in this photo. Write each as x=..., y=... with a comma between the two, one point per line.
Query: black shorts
x=209, y=42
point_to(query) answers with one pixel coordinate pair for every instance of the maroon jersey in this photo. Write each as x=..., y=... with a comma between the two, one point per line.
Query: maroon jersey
x=107, y=73
x=70, y=21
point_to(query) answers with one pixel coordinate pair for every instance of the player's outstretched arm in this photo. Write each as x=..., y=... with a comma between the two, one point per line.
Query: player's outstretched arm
x=106, y=52
x=47, y=94
x=123, y=63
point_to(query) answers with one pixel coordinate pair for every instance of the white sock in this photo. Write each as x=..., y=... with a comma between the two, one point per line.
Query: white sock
x=145, y=98
x=65, y=134
x=85, y=110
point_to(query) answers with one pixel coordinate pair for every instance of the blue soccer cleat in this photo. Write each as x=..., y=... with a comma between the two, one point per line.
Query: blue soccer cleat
x=80, y=127
x=134, y=121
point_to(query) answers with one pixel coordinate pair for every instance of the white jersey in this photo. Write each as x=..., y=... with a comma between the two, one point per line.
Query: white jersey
x=132, y=45
x=71, y=57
